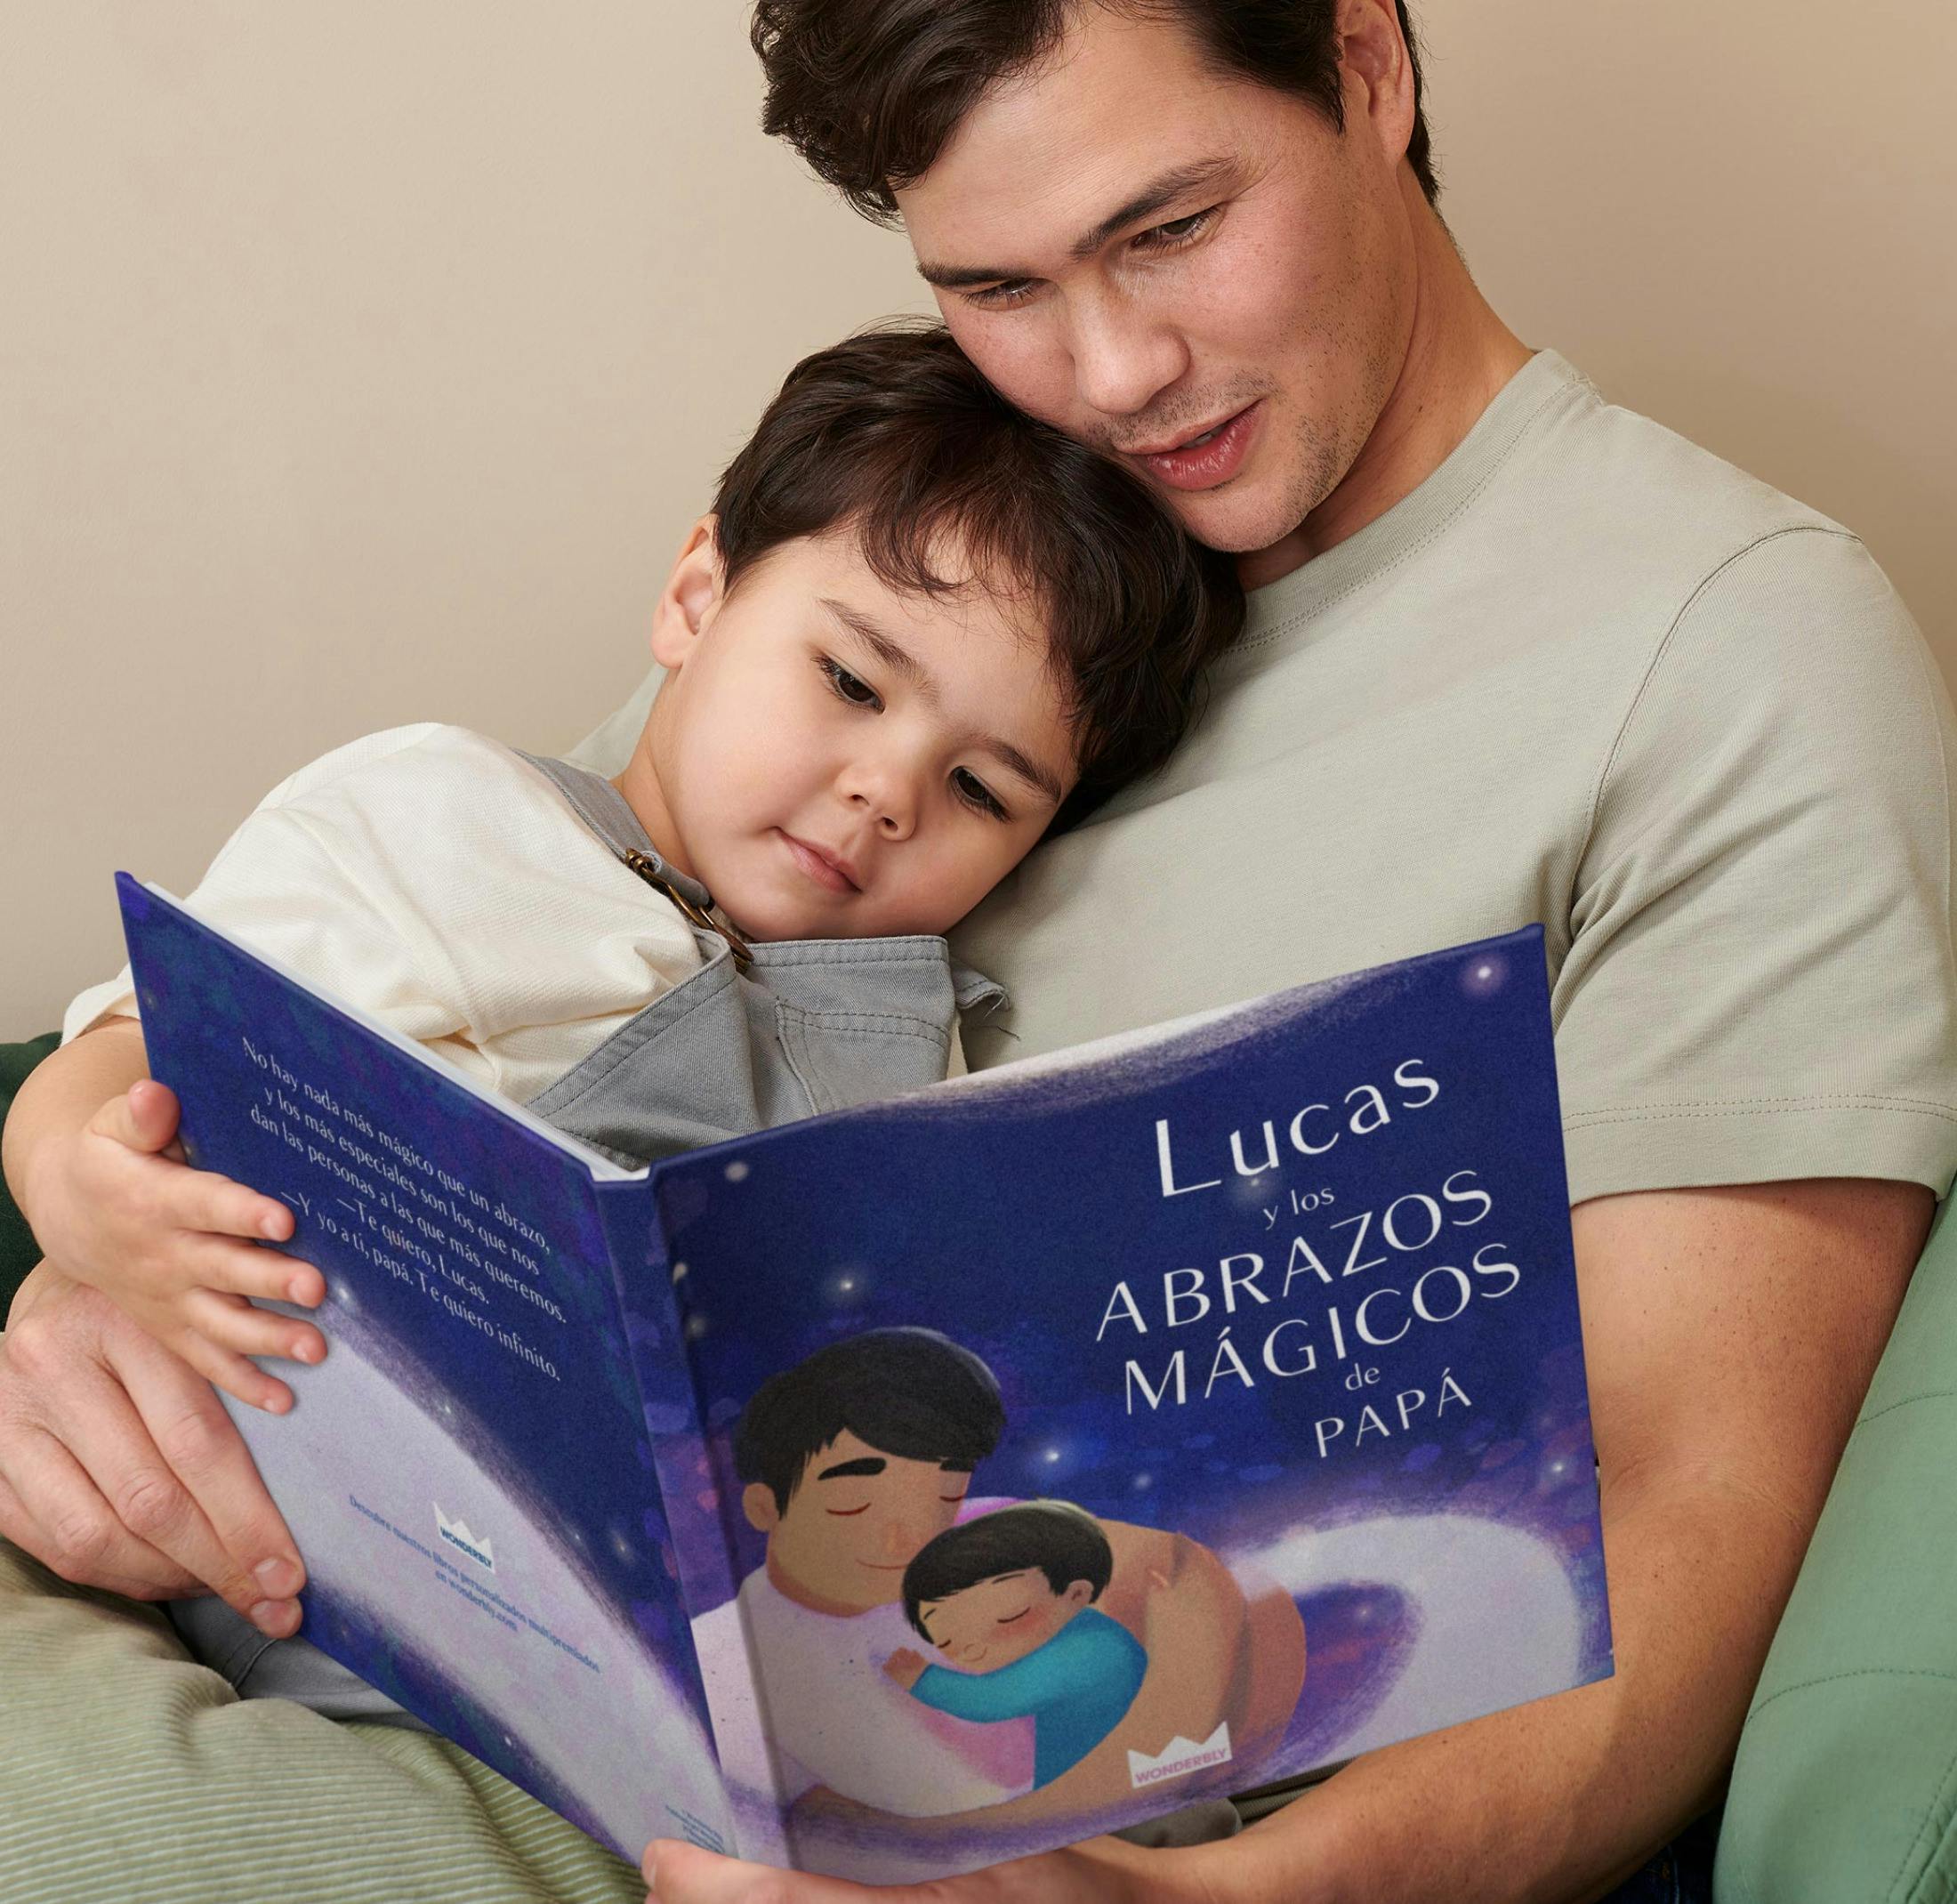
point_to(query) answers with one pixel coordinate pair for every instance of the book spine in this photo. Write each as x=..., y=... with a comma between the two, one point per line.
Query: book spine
x=643, y=1275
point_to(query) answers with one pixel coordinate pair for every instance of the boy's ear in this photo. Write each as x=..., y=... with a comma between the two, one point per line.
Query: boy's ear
x=691, y=596
x=1079, y=1592
x=757, y=1504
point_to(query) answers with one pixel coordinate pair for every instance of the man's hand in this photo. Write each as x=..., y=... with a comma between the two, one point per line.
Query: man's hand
x=1101, y=1871
x=119, y=1469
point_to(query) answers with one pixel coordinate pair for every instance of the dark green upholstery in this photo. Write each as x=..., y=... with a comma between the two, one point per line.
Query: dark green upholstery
x=17, y=1254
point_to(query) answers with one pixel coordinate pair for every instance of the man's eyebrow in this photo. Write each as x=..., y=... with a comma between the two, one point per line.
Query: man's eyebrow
x=885, y=647
x=1159, y=192
x=867, y=1464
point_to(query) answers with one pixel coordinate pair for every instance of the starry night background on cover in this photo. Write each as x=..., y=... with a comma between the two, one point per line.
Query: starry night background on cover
x=1003, y=1214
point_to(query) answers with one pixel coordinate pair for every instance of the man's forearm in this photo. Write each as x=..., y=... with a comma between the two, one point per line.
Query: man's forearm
x=1564, y=1797
x=62, y=1093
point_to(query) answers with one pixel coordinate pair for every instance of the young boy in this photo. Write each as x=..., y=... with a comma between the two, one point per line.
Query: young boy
x=918, y=633
x=1008, y=1598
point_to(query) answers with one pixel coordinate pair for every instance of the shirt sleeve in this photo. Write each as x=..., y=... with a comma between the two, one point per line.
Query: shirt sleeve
x=1760, y=984
x=279, y=886
x=1015, y=1691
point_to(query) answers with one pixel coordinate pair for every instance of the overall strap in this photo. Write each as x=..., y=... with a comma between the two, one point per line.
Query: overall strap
x=604, y=810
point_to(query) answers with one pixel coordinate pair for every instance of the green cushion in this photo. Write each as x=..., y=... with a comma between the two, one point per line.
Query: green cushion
x=1846, y=1784
x=17, y=1254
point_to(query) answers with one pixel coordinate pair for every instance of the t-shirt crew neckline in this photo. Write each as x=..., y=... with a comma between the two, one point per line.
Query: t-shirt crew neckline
x=1282, y=612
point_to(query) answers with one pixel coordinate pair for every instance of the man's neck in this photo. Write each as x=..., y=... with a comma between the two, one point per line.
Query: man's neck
x=1459, y=357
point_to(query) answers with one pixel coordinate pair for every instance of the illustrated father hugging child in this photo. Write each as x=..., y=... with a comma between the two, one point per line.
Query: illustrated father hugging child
x=856, y=1464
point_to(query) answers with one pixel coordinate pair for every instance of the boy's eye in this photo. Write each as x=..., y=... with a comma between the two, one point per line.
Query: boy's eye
x=857, y=693
x=1021, y=1614
x=976, y=793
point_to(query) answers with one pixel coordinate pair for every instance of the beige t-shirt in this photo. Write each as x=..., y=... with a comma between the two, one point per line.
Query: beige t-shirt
x=1590, y=676
x=444, y=886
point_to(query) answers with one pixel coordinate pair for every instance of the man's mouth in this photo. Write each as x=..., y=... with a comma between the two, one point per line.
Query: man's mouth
x=829, y=869
x=1206, y=459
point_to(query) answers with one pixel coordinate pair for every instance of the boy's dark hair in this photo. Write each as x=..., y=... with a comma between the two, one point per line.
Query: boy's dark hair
x=895, y=434
x=1063, y=1541
x=870, y=91
x=909, y=1393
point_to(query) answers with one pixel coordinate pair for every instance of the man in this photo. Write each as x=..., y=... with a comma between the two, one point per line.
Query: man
x=1514, y=655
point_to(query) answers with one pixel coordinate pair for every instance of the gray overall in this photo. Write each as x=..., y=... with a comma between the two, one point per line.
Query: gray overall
x=811, y=1025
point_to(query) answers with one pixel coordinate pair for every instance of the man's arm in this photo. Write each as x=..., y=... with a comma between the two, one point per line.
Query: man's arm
x=1729, y=1336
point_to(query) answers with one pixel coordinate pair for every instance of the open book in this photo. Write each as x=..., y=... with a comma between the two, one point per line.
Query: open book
x=938, y=1482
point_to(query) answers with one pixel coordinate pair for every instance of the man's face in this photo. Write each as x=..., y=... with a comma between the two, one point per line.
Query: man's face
x=855, y=1523
x=1142, y=252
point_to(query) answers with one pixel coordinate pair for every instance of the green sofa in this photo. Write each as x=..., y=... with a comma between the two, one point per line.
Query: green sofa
x=1845, y=1790
x=17, y=1254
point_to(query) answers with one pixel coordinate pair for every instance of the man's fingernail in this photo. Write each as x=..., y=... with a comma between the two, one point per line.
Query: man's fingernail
x=273, y=1617
x=279, y=1578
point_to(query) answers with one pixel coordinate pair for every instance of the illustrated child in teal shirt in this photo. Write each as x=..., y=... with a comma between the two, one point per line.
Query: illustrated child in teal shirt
x=1008, y=1597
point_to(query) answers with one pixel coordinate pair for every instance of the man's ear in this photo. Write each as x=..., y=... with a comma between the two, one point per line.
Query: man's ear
x=757, y=1504
x=691, y=597
x=1372, y=54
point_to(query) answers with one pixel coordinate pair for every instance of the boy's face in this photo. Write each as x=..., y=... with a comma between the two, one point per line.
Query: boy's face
x=1000, y=1619
x=855, y=1520
x=834, y=759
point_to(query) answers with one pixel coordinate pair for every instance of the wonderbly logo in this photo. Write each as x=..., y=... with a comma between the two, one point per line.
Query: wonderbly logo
x=1179, y=1757
x=456, y=1534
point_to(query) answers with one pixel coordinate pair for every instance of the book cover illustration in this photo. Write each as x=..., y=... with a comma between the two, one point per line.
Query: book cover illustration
x=1086, y=1438
x=916, y=1487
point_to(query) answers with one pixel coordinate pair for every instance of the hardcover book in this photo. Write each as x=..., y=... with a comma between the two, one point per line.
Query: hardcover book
x=930, y=1483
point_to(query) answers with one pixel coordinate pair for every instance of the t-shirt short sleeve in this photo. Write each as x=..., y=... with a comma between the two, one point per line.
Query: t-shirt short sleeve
x=1760, y=984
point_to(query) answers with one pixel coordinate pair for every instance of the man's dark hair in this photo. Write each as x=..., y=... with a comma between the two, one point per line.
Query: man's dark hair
x=870, y=91
x=1063, y=1541
x=894, y=434
x=909, y=1393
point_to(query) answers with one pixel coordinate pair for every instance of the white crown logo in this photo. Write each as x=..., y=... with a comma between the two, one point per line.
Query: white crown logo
x=456, y=1534
x=1179, y=1757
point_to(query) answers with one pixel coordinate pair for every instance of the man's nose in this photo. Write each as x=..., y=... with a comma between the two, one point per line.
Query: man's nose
x=902, y=1538
x=1124, y=356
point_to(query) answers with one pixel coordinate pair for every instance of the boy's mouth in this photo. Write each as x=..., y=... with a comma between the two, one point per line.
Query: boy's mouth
x=828, y=869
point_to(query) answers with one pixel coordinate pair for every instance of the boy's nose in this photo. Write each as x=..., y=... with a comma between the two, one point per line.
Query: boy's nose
x=886, y=797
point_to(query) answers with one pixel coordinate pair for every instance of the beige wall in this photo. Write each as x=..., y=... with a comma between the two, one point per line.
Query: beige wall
x=364, y=364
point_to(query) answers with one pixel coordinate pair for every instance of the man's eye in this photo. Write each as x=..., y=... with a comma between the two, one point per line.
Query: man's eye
x=1001, y=296
x=857, y=693
x=976, y=793
x=1177, y=231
